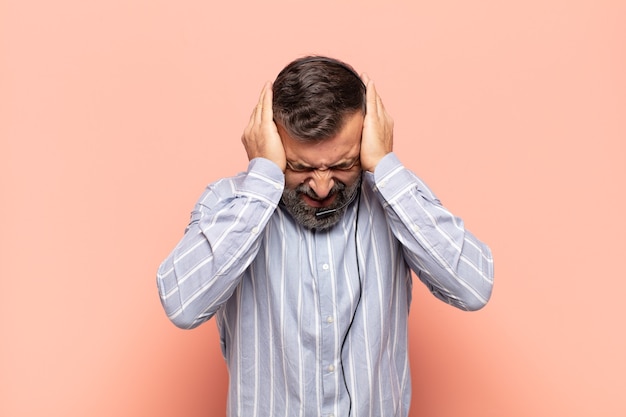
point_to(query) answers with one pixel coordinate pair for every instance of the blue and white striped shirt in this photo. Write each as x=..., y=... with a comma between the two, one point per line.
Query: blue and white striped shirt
x=314, y=323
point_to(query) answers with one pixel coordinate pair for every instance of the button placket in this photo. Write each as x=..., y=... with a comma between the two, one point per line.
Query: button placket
x=327, y=355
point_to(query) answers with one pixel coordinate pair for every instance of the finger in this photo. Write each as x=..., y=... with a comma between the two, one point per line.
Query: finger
x=267, y=111
x=372, y=98
x=253, y=114
x=380, y=107
x=258, y=110
x=252, y=119
x=260, y=102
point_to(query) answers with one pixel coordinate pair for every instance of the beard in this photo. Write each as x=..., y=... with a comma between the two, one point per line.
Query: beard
x=306, y=215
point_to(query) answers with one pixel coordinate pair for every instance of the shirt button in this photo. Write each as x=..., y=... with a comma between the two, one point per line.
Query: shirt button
x=255, y=230
x=278, y=186
x=331, y=368
x=329, y=319
x=325, y=267
x=416, y=228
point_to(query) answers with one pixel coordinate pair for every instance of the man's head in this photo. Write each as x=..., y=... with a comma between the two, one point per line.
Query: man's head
x=319, y=106
x=313, y=95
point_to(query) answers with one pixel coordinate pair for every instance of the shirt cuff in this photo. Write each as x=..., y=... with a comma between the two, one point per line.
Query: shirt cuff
x=267, y=168
x=392, y=179
x=263, y=180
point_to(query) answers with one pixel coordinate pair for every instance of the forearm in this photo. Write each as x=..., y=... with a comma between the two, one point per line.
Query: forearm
x=453, y=263
x=219, y=243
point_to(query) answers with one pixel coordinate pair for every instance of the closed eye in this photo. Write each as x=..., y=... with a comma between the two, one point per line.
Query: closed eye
x=345, y=166
x=299, y=168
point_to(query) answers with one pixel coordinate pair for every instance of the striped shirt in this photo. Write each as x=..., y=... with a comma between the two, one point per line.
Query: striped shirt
x=314, y=323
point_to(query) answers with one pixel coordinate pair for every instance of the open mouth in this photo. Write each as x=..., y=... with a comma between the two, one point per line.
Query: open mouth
x=317, y=203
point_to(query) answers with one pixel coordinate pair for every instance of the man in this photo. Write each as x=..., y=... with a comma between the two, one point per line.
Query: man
x=305, y=259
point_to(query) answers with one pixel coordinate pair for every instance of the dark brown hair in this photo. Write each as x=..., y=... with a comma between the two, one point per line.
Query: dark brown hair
x=312, y=96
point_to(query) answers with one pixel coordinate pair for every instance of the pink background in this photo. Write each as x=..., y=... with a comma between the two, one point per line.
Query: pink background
x=115, y=114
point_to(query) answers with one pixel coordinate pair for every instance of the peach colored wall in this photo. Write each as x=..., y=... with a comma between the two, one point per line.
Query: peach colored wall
x=115, y=114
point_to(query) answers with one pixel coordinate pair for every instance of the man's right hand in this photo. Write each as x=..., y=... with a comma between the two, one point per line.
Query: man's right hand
x=261, y=138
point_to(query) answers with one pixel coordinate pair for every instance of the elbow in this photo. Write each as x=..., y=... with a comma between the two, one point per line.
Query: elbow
x=177, y=312
x=478, y=302
x=475, y=305
x=180, y=316
x=185, y=317
x=466, y=305
x=466, y=301
x=479, y=293
x=184, y=320
x=463, y=300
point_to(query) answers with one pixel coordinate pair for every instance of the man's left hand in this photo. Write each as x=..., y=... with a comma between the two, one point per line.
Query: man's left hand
x=377, y=137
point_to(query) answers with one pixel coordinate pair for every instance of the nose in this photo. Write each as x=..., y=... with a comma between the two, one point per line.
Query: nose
x=322, y=182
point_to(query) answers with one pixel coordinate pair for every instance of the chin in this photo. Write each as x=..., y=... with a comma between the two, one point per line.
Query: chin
x=305, y=216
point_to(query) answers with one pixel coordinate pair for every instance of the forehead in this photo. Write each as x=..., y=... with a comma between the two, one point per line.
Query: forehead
x=342, y=147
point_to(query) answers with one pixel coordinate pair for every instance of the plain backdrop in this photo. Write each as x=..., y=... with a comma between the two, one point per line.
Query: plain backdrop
x=114, y=115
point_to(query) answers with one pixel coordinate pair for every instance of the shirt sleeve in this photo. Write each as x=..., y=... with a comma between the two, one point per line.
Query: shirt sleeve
x=220, y=242
x=455, y=266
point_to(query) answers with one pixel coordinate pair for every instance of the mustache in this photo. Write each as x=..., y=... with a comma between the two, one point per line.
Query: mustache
x=308, y=191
